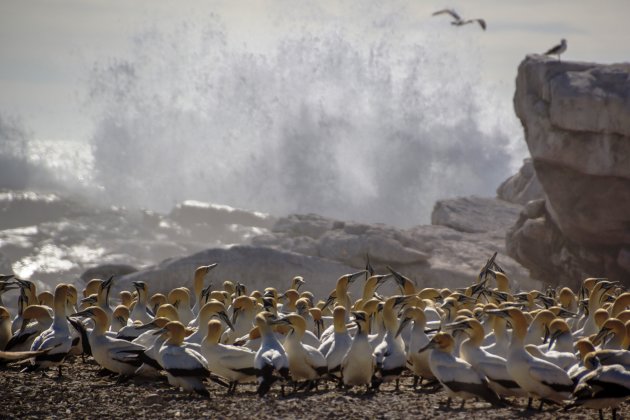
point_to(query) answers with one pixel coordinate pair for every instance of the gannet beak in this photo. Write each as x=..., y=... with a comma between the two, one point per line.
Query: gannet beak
x=160, y=331
x=401, y=326
x=226, y=319
x=601, y=335
x=329, y=301
x=210, y=267
x=432, y=344
x=352, y=277
x=235, y=315
x=546, y=337
x=553, y=338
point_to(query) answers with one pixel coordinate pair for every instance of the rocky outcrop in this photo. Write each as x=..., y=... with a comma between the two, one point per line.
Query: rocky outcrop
x=256, y=267
x=521, y=187
x=448, y=253
x=575, y=117
x=475, y=214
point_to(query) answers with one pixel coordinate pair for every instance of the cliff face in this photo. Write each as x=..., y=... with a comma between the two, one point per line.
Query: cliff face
x=576, y=118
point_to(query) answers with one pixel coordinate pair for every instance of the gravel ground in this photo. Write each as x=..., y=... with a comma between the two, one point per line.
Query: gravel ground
x=84, y=393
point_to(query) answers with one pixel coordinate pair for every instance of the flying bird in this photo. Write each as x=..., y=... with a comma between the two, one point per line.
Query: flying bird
x=558, y=49
x=458, y=21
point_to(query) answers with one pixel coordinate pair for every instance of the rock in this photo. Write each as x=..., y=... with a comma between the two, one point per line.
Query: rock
x=522, y=186
x=475, y=214
x=577, y=129
x=104, y=271
x=309, y=225
x=27, y=208
x=256, y=267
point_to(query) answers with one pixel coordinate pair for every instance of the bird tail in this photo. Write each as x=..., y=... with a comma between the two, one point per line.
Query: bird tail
x=265, y=379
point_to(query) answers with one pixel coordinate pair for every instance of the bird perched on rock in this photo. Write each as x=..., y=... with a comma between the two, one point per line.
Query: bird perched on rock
x=558, y=49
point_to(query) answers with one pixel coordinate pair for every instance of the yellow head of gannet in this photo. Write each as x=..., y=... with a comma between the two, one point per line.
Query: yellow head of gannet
x=411, y=313
x=560, y=331
x=126, y=298
x=229, y=287
x=167, y=311
x=211, y=309
x=29, y=290
x=297, y=282
x=584, y=347
x=46, y=298
x=120, y=318
x=156, y=300
x=214, y=331
x=614, y=329
x=198, y=279
x=184, y=367
x=180, y=299
x=291, y=296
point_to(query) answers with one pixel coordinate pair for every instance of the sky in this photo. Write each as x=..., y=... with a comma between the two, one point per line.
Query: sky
x=47, y=48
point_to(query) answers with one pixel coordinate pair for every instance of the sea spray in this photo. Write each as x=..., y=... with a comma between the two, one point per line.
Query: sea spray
x=345, y=123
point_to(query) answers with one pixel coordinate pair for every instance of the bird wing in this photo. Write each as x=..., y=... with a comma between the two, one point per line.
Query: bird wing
x=451, y=369
x=451, y=12
x=552, y=376
x=553, y=50
x=482, y=23
x=184, y=362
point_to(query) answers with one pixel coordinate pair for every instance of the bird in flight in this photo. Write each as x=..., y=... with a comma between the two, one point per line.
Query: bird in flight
x=458, y=21
x=558, y=49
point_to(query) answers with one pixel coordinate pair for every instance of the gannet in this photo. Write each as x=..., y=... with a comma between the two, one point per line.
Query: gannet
x=199, y=276
x=306, y=363
x=340, y=295
x=120, y=316
x=207, y=312
x=180, y=299
x=5, y=327
x=357, y=367
x=612, y=334
x=558, y=49
x=57, y=338
x=236, y=364
x=291, y=297
x=336, y=348
x=244, y=309
x=390, y=353
x=156, y=300
x=458, y=377
x=184, y=367
x=116, y=355
x=271, y=357
x=152, y=340
x=418, y=361
x=538, y=377
x=6, y=285
x=491, y=366
x=458, y=21
x=46, y=298
x=538, y=330
x=140, y=311
x=28, y=331
x=603, y=387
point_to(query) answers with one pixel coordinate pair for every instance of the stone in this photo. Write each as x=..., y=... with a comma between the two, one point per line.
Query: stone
x=521, y=187
x=475, y=214
x=575, y=117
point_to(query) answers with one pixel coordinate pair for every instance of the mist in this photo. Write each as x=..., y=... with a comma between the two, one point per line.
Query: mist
x=355, y=126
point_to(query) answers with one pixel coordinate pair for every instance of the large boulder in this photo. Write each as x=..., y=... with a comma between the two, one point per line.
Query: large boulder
x=256, y=267
x=475, y=214
x=575, y=117
x=521, y=187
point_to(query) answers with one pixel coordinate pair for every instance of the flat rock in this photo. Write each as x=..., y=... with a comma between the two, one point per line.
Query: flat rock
x=475, y=214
